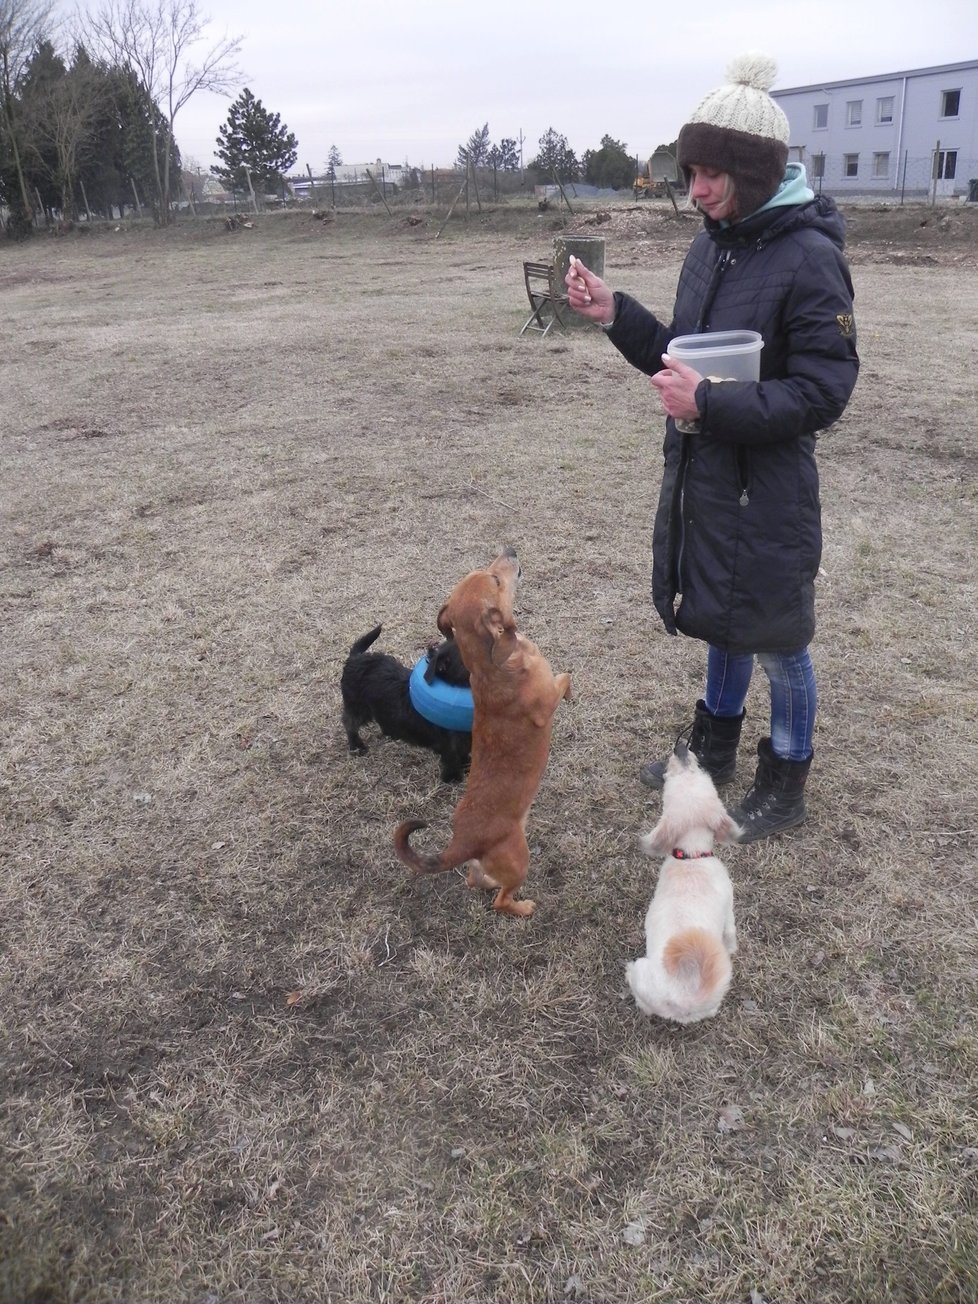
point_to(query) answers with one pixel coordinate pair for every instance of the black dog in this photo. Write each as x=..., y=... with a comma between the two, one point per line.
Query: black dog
x=375, y=687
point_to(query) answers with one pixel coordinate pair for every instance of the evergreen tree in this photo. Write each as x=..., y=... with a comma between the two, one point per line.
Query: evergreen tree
x=334, y=161
x=254, y=141
x=63, y=107
x=504, y=156
x=102, y=171
x=610, y=166
x=509, y=155
x=22, y=27
x=475, y=149
x=556, y=161
x=139, y=139
x=38, y=93
x=105, y=173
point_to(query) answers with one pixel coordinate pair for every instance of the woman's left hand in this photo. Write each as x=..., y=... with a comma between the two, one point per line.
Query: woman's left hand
x=677, y=389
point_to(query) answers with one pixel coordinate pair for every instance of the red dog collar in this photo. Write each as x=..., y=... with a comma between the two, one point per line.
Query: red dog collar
x=689, y=855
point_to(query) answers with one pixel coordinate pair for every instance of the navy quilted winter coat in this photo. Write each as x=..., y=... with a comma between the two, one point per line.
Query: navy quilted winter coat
x=738, y=534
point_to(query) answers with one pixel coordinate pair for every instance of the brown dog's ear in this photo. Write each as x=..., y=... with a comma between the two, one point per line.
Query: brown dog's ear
x=502, y=635
x=445, y=626
x=504, y=647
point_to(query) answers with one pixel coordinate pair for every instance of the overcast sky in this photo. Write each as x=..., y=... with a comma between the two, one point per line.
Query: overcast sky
x=410, y=80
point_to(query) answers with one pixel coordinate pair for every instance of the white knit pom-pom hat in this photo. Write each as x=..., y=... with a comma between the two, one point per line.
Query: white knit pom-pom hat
x=740, y=130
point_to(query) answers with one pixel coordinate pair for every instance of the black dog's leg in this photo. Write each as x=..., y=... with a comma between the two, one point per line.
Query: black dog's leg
x=352, y=726
x=454, y=756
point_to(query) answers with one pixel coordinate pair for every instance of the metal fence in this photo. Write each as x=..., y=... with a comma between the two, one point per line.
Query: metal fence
x=429, y=186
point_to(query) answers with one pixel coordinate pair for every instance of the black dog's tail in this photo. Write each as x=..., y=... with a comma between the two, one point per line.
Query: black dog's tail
x=362, y=644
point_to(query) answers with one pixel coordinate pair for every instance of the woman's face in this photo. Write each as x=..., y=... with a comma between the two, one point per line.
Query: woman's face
x=712, y=192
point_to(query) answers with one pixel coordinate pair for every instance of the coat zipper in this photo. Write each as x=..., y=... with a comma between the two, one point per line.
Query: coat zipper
x=719, y=267
x=724, y=260
x=743, y=475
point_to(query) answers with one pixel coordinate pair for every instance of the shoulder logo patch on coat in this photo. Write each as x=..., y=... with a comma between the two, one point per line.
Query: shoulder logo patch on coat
x=845, y=321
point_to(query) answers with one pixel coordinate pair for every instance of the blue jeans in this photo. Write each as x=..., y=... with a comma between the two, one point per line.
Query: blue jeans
x=793, y=695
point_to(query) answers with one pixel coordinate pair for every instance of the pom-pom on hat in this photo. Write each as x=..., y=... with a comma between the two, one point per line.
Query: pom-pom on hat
x=740, y=130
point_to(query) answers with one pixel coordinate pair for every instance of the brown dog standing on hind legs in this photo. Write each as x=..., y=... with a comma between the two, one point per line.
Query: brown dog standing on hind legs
x=514, y=695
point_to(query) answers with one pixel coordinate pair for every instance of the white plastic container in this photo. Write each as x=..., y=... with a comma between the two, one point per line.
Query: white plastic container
x=724, y=355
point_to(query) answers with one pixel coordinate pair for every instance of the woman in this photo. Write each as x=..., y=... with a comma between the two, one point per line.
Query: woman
x=738, y=537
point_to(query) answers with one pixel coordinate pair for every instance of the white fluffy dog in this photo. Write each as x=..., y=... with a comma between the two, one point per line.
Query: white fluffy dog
x=689, y=929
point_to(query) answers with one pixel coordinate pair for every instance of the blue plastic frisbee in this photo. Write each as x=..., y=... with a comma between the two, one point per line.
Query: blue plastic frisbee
x=448, y=705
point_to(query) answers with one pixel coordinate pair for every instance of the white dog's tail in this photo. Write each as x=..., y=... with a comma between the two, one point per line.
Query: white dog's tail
x=697, y=961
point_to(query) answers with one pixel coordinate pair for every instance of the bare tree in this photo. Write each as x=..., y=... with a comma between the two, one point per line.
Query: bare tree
x=23, y=24
x=61, y=112
x=154, y=39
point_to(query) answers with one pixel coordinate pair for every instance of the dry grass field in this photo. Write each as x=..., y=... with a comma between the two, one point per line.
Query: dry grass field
x=244, y=1056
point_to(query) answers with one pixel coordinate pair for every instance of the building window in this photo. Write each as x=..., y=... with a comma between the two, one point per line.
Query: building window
x=884, y=109
x=881, y=165
x=818, y=167
x=854, y=113
x=950, y=104
x=850, y=165
x=820, y=117
x=945, y=164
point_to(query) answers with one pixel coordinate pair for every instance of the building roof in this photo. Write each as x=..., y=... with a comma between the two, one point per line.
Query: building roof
x=877, y=77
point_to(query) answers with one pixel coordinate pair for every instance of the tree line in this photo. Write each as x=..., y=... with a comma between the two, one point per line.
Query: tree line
x=92, y=130
x=610, y=166
x=87, y=118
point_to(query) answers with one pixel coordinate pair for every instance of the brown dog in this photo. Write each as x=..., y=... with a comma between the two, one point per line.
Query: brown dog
x=514, y=695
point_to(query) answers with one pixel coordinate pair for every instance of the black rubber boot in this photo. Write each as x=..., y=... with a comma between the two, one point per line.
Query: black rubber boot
x=713, y=741
x=776, y=800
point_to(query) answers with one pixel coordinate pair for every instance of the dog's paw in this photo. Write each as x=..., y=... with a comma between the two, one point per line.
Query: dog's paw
x=506, y=904
x=522, y=909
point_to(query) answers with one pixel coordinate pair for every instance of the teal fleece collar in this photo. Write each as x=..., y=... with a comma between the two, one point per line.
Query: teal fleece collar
x=794, y=189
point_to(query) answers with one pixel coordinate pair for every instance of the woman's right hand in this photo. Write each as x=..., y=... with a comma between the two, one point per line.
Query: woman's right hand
x=587, y=294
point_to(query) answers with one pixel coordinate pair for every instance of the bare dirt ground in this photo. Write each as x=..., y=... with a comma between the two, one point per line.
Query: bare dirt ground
x=243, y=1055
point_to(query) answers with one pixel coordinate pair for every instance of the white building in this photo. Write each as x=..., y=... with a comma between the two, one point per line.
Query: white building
x=912, y=133
x=353, y=173
x=378, y=173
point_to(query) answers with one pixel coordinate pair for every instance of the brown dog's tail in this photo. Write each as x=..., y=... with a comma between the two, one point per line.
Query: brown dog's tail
x=405, y=852
x=697, y=960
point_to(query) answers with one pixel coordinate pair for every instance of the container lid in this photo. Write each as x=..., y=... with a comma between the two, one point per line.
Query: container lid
x=718, y=342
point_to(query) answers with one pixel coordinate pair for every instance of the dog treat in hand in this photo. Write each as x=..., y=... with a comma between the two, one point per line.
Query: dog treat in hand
x=574, y=260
